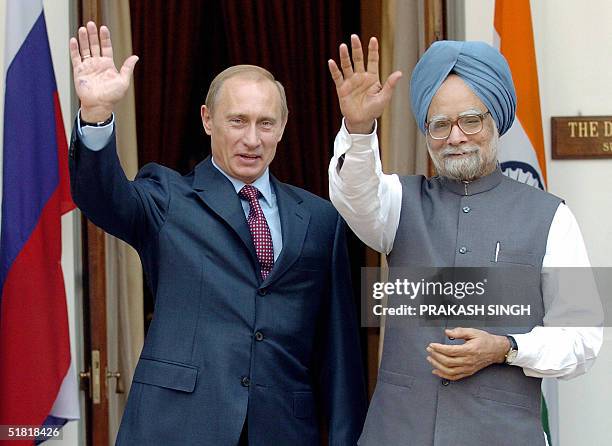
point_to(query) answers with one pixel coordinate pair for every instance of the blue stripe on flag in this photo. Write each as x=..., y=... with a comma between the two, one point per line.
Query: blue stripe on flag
x=51, y=421
x=30, y=165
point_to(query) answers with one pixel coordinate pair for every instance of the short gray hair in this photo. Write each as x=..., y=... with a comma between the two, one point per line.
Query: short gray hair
x=251, y=72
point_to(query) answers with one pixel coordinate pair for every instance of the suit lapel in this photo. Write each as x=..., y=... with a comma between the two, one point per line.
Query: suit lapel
x=294, y=224
x=219, y=195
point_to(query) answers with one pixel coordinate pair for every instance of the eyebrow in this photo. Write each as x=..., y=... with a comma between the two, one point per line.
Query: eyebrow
x=471, y=111
x=243, y=116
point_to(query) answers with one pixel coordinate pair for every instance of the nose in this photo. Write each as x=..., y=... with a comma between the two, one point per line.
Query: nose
x=456, y=136
x=251, y=137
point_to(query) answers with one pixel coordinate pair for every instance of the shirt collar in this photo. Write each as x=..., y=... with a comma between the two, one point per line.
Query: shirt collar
x=482, y=184
x=262, y=183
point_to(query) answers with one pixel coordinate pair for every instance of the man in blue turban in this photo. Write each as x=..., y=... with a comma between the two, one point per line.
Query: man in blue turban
x=459, y=386
x=479, y=65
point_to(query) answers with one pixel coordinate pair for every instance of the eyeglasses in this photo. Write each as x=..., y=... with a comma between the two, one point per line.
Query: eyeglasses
x=469, y=124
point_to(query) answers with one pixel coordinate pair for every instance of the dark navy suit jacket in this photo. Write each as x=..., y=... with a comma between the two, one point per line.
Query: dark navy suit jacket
x=224, y=346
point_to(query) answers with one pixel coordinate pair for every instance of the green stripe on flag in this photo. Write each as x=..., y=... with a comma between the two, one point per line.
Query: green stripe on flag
x=545, y=424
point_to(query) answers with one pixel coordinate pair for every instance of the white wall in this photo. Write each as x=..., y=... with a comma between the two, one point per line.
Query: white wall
x=574, y=55
x=57, y=16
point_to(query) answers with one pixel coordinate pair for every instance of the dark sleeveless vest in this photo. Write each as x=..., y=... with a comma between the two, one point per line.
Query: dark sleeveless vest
x=446, y=223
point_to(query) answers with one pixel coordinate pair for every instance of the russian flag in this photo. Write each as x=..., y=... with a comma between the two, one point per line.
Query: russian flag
x=36, y=387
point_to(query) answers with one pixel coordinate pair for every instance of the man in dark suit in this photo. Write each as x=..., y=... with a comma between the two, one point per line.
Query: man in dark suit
x=254, y=338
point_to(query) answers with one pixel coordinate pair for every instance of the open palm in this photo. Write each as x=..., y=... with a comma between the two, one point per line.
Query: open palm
x=98, y=83
x=361, y=95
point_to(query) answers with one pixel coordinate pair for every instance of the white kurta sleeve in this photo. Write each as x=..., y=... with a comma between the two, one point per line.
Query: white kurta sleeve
x=561, y=351
x=369, y=200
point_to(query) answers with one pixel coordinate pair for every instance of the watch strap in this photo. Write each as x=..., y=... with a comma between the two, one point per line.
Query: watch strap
x=95, y=124
x=513, y=344
x=513, y=351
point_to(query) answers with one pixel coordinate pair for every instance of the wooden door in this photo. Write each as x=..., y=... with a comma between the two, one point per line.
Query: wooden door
x=95, y=377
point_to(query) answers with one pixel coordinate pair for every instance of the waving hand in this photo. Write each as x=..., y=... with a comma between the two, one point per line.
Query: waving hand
x=361, y=95
x=98, y=83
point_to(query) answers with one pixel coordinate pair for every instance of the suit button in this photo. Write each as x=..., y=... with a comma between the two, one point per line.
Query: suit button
x=262, y=291
x=466, y=209
x=445, y=382
x=463, y=250
x=259, y=336
x=245, y=381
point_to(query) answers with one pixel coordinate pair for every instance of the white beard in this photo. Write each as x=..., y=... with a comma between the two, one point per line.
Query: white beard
x=476, y=162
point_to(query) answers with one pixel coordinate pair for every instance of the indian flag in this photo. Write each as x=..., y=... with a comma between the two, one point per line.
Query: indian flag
x=521, y=151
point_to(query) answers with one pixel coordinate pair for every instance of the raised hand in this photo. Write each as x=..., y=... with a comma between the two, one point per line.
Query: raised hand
x=98, y=84
x=361, y=95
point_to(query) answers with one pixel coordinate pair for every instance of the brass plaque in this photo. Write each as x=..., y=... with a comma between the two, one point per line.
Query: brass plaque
x=577, y=137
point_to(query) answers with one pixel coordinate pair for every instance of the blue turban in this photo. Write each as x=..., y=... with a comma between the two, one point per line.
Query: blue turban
x=481, y=67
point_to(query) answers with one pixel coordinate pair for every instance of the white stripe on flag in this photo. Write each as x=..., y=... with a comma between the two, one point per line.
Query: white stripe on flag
x=515, y=147
x=67, y=403
x=19, y=22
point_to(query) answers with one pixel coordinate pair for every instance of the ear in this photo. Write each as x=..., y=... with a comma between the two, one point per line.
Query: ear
x=206, y=119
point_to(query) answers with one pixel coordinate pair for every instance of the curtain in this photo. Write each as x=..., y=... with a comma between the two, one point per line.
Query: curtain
x=295, y=49
x=184, y=46
x=124, y=286
x=403, y=149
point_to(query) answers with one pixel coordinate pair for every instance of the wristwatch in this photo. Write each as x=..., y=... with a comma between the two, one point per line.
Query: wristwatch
x=511, y=355
x=96, y=124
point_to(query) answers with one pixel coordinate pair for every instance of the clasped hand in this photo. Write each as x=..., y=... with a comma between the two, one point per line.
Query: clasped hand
x=480, y=350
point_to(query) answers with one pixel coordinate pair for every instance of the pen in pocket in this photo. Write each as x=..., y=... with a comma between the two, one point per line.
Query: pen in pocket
x=496, y=251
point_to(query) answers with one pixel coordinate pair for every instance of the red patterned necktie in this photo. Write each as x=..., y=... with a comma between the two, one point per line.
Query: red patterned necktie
x=262, y=239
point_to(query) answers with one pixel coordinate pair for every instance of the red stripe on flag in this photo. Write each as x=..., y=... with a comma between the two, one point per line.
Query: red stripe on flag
x=62, y=158
x=34, y=337
x=34, y=333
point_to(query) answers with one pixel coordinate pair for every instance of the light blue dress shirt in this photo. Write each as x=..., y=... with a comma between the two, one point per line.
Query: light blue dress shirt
x=96, y=138
x=267, y=201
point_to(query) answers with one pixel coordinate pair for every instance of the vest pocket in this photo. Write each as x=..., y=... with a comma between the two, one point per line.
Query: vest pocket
x=517, y=257
x=503, y=396
x=396, y=379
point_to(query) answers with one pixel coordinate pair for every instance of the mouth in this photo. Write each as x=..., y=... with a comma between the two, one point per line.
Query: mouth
x=248, y=157
x=458, y=153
